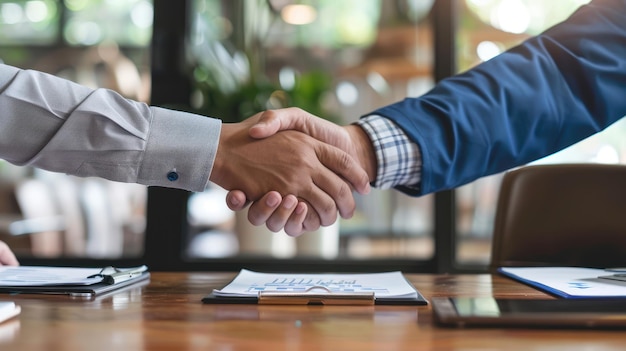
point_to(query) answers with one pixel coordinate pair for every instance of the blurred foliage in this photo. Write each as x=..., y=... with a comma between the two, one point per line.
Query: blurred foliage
x=259, y=93
x=233, y=79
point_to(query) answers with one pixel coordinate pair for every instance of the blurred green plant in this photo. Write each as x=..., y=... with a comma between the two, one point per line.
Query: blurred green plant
x=233, y=88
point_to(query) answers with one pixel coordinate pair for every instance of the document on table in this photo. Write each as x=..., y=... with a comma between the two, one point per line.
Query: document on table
x=38, y=276
x=73, y=281
x=50, y=276
x=569, y=282
x=388, y=286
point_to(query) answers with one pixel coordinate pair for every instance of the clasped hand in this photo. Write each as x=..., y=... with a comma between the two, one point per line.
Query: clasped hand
x=292, y=179
x=299, y=178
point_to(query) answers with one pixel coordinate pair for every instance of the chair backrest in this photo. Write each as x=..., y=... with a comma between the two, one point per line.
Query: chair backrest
x=565, y=215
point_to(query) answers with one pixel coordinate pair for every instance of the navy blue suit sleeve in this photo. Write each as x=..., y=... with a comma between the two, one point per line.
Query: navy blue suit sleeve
x=537, y=98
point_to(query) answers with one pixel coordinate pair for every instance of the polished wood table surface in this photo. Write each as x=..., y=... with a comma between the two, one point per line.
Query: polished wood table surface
x=167, y=314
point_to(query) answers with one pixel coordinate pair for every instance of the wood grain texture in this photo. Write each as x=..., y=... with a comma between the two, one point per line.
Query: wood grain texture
x=168, y=315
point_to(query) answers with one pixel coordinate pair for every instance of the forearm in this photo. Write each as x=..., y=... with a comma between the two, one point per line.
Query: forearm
x=54, y=124
x=531, y=101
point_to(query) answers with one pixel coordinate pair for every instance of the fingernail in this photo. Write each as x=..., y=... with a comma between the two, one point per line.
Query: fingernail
x=272, y=201
x=300, y=208
x=234, y=201
x=289, y=202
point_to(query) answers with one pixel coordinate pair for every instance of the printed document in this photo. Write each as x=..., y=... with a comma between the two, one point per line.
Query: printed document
x=383, y=285
x=569, y=282
x=29, y=276
x=41, y=276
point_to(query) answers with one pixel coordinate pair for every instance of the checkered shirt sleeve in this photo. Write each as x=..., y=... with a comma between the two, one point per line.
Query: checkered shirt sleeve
x=399, y=159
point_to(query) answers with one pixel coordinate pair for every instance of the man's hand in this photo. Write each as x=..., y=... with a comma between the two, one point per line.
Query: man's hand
x=7, y=258
x=320, y=175
x=351, y=139
x=286, y=213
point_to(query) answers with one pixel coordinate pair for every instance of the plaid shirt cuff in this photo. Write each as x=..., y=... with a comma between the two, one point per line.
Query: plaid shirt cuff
x=399, y=158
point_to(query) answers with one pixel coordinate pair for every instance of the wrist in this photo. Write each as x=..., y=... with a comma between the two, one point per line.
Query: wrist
x=219, y=165
x=363, y=150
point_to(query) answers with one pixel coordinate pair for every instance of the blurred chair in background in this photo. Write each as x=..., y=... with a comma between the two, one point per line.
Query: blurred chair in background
x=561, y=215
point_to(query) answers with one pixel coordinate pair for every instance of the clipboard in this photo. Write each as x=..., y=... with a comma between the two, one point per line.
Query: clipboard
x=287, y=289
x=81, y=283
x=315, y=300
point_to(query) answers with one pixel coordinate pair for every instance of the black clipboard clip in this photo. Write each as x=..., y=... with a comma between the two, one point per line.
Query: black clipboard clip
x=311, y=297
x=112, y=275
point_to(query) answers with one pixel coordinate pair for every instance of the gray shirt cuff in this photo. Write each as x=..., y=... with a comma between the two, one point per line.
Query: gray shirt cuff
x=181, y=150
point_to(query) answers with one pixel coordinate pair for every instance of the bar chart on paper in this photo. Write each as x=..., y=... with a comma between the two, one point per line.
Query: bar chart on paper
x=383, y=287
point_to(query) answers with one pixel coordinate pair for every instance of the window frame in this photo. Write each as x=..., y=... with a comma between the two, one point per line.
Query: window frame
x=166, y=231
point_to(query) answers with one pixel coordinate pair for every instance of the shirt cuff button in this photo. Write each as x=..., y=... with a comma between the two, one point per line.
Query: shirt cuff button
x=172, y=176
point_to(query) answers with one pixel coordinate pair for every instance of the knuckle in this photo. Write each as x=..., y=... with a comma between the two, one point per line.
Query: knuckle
x=344, y=199
x=311, y=222
x=341, y=159
x=344, y=191
x=328, y=215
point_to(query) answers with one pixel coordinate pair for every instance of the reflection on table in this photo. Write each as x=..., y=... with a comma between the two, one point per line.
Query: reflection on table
x=167, y=314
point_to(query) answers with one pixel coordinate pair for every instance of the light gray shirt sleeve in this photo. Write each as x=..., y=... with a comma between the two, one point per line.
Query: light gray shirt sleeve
x=54, y=124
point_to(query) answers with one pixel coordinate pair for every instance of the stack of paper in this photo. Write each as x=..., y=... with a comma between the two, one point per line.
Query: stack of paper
x=569, y=282
x=73, y=281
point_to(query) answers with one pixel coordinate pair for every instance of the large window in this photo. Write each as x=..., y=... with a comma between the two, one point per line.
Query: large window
x=29, y=22
x=336, y=59
x=361, y=57
x=486, y=29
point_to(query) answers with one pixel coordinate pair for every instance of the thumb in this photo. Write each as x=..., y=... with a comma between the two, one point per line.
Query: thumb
x=271, y=122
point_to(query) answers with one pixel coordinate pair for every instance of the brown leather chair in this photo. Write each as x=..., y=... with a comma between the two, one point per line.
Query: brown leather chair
x=561, y=215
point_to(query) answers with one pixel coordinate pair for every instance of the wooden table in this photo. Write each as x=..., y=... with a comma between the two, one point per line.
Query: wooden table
x=168, y=315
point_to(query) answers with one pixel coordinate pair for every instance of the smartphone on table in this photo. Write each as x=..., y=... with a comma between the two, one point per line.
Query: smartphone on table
x=531, y=313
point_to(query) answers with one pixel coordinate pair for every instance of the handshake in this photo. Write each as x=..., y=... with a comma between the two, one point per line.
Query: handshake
x=296, y=171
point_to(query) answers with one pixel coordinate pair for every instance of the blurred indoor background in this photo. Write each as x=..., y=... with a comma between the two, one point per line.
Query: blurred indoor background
x=336, y=59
